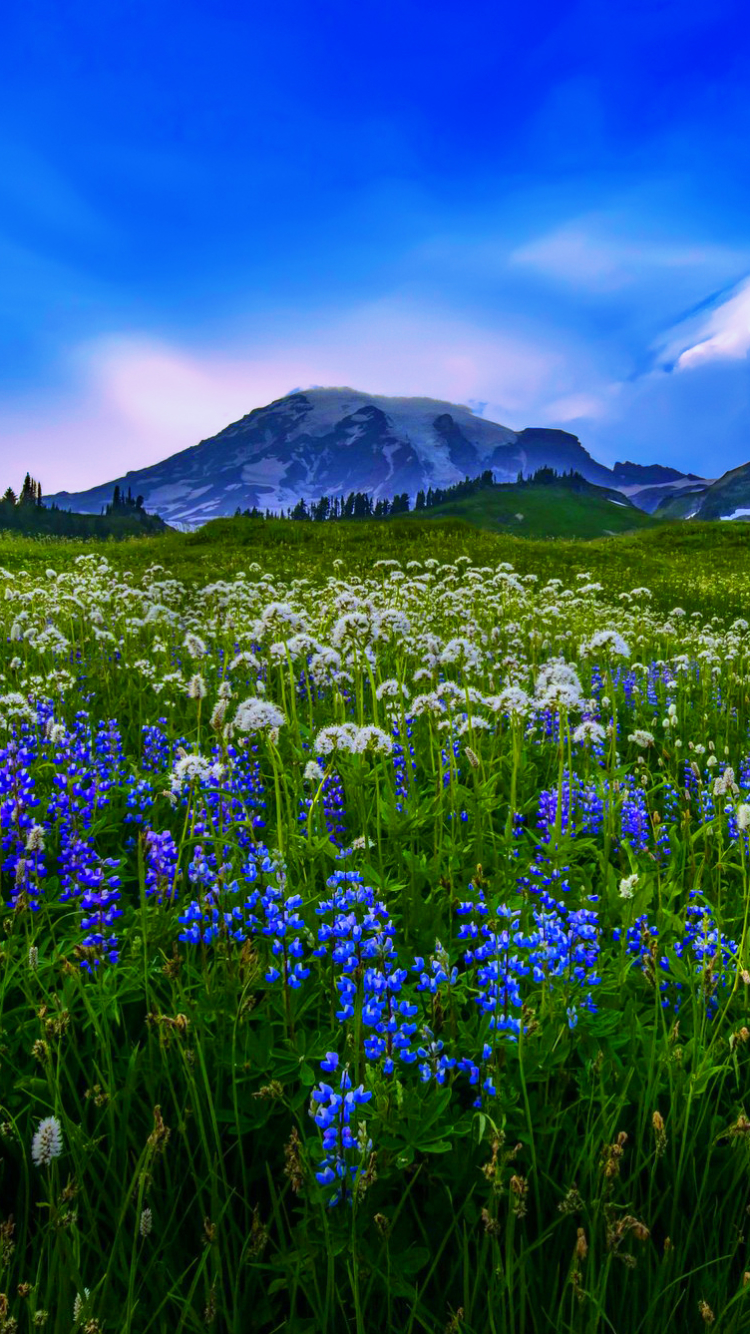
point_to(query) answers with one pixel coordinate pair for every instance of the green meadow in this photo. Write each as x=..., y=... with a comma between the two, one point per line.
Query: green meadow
x=375, y=941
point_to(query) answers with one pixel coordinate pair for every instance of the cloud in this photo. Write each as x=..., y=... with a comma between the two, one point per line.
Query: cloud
x=575, y=407
x=719, y=334
x=587, y=253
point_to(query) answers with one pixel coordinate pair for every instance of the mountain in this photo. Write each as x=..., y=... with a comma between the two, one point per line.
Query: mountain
x=726, y=498
x=332, y=441
x=649, y=474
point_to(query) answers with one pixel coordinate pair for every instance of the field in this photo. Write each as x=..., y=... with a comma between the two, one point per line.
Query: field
x=375, y=941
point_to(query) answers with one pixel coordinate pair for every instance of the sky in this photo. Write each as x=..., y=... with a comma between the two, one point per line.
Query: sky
x=539, y=210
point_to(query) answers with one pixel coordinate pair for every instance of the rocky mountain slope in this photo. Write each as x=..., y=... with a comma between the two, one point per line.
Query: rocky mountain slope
x=331, y=441
x=726, y=498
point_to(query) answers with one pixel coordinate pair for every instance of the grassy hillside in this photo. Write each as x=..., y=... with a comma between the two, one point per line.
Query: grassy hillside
x=541, y=511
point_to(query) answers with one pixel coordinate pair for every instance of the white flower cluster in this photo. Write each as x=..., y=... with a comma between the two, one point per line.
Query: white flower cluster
x=258, y=715
x=353, y=740
x=558, y=687
x=195, y=769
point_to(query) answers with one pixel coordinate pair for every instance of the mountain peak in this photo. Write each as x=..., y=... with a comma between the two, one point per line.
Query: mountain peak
x=332, y=440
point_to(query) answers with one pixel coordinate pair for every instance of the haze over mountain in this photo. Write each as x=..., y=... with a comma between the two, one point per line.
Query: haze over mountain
x=329, y=441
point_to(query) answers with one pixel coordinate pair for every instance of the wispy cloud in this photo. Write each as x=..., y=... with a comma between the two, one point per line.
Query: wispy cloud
x=589, y=253
x=718, y=334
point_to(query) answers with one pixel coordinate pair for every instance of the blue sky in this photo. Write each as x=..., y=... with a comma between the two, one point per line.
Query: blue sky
x=541, y=210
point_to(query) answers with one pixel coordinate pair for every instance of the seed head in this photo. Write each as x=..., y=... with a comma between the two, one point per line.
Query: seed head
x=47, y=1141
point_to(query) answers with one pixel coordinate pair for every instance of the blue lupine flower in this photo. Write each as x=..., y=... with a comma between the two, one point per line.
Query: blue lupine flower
x=343, y=1151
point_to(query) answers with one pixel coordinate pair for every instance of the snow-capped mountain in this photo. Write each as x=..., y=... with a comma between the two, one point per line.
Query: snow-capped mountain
x=331, y=441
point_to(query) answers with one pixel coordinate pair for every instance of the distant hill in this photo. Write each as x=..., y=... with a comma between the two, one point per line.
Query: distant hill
x=561, y=508
x=331, y=441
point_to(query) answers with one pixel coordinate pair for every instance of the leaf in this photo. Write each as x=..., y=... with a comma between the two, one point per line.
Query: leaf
x=413, y=1260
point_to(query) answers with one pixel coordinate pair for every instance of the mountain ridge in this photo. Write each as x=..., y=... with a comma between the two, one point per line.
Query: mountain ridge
x=327, y=441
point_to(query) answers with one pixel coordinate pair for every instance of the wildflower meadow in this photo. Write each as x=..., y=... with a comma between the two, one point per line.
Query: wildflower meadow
x=375, y=940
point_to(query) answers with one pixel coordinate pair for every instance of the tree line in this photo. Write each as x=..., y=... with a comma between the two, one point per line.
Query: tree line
x=30, y=493
x=123, y=501
x=360, y=505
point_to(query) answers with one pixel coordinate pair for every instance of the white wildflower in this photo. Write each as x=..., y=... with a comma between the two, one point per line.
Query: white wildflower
x=47, y=1141
x=725, y=783
x=35, y=838
x=196, y=688
x=627, y=886
x=218, y=714
x=742, y=816
x=512, y=700
x=611, y=641
x=79, y=1303
x=589, y=731
x=245, y=659
x=194, y=645
x=258, y=715
x=391, y=689
x=354, y=627
x=641, y=738
x=373, y=739
x=473, y=722
x=336, y=737
x=195, y=768
x=558, y=687
x=352, y=740
x=431, y=703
